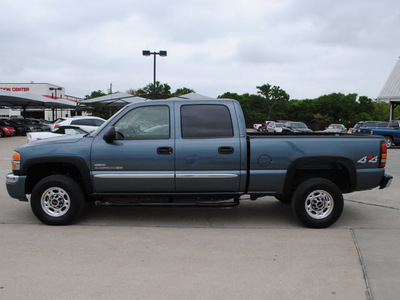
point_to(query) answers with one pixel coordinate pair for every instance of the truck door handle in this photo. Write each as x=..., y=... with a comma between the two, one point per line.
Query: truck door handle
x=164, y=150
x=226, y=150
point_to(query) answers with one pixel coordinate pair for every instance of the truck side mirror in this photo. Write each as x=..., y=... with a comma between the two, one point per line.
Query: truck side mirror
x=109, y=135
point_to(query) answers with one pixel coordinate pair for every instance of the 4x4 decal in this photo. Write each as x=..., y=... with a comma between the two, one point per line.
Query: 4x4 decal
x=368, y=159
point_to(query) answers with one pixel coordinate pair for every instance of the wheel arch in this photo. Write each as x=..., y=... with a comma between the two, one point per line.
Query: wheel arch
x=340, y=170
x=75, y=167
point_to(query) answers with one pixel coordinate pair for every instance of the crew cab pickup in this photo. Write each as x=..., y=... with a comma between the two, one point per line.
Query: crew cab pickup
x=193, y=153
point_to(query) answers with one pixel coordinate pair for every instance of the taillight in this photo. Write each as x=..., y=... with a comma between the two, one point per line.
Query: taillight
x=56, y=126
x=383, y=154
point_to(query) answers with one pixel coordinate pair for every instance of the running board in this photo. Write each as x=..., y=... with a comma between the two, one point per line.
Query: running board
x=234, y=203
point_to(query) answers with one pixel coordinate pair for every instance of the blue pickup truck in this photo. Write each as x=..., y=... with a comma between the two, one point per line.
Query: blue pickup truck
x=193, y=153
x=391, y=133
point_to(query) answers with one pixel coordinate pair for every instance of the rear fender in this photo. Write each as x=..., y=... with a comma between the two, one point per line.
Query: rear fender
x=325, y=166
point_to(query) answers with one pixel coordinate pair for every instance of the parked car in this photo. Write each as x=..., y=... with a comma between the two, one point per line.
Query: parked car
x=35, y=125
x=87, y=123
x=261, y=127
x=338, y=128
x=390, y=133
x=357, y=126
x=394, y=124
x=365, y=128
x=257, y=126
x=6, y=123
x=297, y=127
x=6, y=130
x=277, y=127
x=59, y=131
x=43, y=125
x=19, y=127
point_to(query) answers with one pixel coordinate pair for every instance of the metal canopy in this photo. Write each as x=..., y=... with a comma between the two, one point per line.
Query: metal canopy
x=24, y=100
x=391, y=90
x=114, y=100
x=192, y=96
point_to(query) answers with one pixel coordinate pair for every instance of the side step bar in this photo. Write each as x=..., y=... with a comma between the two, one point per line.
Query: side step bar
x=234, y=203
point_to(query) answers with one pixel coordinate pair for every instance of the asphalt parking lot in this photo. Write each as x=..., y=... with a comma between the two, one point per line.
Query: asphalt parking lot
x=254, y=251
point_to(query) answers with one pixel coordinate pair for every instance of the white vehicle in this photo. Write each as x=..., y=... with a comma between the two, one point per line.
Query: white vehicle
x=60, y=131
x=261, y=127
x=87, y=123
x=276, y=127
x=257, y=126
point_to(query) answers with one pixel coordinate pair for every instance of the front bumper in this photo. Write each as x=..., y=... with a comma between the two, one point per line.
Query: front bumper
x=16, y=186
x=386, y=181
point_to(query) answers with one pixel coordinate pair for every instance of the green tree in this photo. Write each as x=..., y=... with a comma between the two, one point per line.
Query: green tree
x=229, y=95
x=162, y=91
x=325, y=120
x=274, y=95
x=182, y=91
x=366, y=104
x=95, y=94
x=381, y=111
x=103, y=111
x=98, y=109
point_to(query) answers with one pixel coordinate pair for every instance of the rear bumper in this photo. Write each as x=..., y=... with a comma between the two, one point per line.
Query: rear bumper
x=16, y=186
x=386, y=181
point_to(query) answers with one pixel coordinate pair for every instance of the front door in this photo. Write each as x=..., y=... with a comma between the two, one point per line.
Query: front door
x=141, y=158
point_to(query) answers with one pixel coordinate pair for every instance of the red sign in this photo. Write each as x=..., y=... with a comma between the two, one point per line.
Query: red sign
x=15, y=89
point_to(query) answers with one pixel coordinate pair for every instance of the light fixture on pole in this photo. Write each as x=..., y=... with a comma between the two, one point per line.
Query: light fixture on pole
x=54, y=96
x=148, y=53
x=55, y=91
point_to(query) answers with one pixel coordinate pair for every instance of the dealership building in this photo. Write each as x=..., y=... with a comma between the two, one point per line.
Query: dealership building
x=48, y=90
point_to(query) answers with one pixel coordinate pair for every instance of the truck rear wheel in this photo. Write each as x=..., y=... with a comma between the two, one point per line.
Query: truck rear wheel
x=57, y=200
x=317, y=203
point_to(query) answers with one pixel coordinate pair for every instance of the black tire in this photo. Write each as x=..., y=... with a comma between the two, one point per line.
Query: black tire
x=2, y=134
x=57, y=200
x=317, y=203
x=389, y=142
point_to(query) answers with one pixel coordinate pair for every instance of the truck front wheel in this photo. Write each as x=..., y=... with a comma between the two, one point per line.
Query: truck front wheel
x=57, y=200
x=317, y=203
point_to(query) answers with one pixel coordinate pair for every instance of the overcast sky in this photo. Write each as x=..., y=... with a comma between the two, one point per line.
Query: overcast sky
x=307, y=47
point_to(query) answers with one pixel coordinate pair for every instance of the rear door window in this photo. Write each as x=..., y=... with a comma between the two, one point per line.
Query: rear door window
x=206, y=121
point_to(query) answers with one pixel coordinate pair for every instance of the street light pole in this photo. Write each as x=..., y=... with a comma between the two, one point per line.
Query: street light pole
x=148, y=53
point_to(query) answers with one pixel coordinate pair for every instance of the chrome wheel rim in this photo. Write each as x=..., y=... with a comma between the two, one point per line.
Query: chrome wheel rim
x=388, y=143
x=319, y=204
x=55, y=202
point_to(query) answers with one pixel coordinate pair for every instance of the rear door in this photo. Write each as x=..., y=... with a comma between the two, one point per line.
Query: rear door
x=208, y=149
